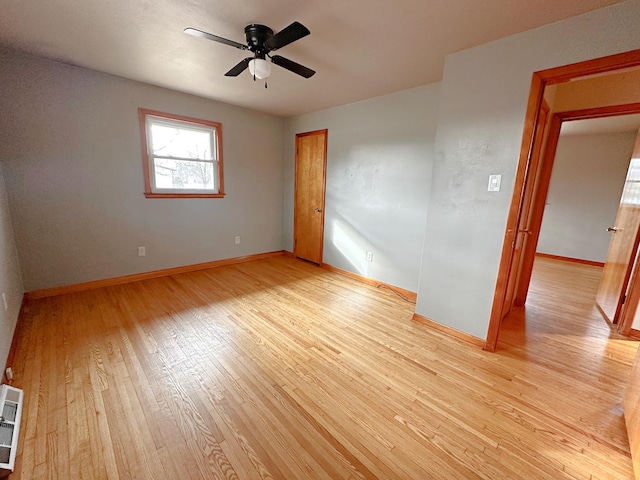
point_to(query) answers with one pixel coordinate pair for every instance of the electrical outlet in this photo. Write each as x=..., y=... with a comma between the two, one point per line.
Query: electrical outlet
x=237, y=239
x=142, y=251
x=369, y=256
x=4, y=301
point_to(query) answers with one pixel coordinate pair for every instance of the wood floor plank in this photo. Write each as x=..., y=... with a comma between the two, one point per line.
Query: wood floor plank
x=277, y=369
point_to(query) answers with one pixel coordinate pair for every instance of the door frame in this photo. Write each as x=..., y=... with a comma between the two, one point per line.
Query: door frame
x=325, y=133
x=521, y=288
x=523, y=181
x=544, y=180
x=527, y=225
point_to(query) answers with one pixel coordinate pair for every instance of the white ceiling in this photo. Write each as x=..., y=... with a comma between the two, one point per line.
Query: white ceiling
x=360, y=48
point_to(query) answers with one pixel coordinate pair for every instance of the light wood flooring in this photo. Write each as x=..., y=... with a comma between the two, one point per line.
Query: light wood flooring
x=279, y=369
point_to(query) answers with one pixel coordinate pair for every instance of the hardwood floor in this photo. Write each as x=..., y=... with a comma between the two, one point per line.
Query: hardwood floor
x=279, y=369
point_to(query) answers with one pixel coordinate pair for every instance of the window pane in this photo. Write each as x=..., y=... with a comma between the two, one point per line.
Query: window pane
x=183, y=156
x=181, y=174
x=169, y=141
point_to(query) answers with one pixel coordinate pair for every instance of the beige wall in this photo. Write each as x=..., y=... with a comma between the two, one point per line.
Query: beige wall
x=70, y=147
x=10, y=280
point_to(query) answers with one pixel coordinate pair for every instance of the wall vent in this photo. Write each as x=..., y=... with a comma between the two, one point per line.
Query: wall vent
x=11, y=400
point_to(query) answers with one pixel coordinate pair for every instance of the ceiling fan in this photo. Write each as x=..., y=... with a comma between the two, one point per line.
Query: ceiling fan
x=261, y=41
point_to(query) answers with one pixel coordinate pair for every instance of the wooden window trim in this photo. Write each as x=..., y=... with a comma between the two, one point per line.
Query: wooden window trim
x=148, y=193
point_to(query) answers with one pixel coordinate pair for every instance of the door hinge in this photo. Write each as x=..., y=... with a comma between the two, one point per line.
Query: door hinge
x=624, y=299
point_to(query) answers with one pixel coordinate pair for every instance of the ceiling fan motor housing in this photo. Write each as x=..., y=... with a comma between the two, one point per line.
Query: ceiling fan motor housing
x=257, y=35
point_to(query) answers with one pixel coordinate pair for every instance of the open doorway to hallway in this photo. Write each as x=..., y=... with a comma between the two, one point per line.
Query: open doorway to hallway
x=609, y=89
x=560, y=323
x=592, y=160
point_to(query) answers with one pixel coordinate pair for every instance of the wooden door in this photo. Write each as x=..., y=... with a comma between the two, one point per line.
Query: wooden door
x=623, y=245
x=523, y=254
x=311, y=162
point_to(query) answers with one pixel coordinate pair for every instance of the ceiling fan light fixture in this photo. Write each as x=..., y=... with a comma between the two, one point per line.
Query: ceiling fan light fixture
x=259, y=68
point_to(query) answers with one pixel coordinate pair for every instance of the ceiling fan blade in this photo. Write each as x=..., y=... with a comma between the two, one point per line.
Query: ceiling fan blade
x=215, y=38
x=290, y=34
x=292, y=66
x=239, y=68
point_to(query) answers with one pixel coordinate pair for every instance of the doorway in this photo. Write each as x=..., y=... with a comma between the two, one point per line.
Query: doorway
x=616, y=118
x=310, y=180
x=528, y=184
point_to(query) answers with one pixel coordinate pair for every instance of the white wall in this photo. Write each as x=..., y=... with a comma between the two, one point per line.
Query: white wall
x=482, y=110
x=584, y=194
x=70, y=144
x=10, y=280
x=379, y=158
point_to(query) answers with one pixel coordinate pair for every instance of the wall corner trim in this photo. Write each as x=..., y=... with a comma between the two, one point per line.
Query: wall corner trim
x=452, y=332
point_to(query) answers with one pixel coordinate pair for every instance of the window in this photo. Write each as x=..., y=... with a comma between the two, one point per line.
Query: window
x=181, y=156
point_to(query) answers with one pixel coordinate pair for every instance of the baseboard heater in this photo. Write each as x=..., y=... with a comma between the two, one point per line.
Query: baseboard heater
x=11, y=400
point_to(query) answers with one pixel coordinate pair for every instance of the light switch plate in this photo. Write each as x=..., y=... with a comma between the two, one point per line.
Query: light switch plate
x=494, y=183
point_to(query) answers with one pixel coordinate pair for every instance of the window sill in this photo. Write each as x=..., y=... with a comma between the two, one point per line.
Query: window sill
x=184, y=195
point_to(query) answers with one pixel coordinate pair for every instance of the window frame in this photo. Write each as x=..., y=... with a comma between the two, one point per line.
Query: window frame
x=147, y=157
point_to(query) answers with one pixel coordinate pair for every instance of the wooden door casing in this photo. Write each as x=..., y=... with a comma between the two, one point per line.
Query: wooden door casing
x=310, y=175
x=522, y=262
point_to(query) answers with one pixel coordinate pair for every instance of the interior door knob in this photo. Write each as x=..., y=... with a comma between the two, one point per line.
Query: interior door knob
x=612, y=229
x=317, y=210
